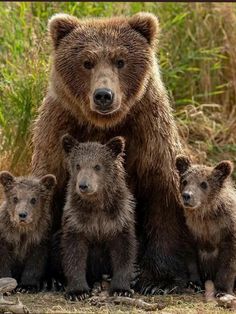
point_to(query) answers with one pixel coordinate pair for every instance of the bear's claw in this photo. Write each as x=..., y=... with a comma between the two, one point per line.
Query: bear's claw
x=122, y=292
x=77, y=295
x=26, y=289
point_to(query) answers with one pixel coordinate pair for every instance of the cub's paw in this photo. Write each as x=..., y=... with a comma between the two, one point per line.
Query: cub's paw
x=77, y=295
x=160, y=289
x=57, y=286
x=195, y=285
x=220, y=294
x=27, y=289
x=122, y=292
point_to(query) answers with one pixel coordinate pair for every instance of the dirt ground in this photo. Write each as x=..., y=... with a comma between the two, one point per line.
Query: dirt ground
x=55, y=303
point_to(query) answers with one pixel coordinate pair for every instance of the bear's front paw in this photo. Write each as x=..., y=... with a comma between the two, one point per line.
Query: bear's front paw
x=146, y=286
x=195, y=285
x=27, y=288
x=77, y=295
x=122, y=292
x=57, y=286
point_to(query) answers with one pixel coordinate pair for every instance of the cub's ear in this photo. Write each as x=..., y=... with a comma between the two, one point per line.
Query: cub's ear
x=182, y=163
x=223, y=170
x=147, y=25
x=116, y=145
x=61, y=25
x=68, y=142
x=7, y=180
x=48, y=181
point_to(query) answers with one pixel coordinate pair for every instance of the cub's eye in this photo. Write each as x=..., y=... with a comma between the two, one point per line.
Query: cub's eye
x=78, y=167
x=97, y=167
x=204, y=185
x=88, y=65
x=33, y=201
x=120, y=63
x=184, y=182
x=15, y=199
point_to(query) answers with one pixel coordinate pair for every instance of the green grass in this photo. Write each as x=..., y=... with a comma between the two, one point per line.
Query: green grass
x=197, y=52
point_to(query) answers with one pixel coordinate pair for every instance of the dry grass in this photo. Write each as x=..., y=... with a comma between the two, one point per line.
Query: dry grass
x=55, y=303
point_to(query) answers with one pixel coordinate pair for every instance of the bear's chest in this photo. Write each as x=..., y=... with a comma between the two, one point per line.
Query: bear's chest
x=19, y=245
x=100, y=225
x=206, y=230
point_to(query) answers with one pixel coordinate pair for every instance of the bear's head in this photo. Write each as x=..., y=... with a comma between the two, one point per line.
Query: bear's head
x=26, y=197
x=200, y=185
x=94, y=168
x=102, y=66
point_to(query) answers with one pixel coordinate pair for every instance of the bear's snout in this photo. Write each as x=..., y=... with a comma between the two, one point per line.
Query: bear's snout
x=23, y=215
x=84, y=187
x=186, y=196
x=188, y=199
x=103, y=98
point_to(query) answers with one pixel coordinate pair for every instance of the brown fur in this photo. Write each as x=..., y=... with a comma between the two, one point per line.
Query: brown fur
x=211, y=217
x=143, y=116
x=24, y=244
x=100, y=217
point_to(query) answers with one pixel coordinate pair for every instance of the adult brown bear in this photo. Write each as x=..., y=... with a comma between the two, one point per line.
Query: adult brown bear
x=105, y=82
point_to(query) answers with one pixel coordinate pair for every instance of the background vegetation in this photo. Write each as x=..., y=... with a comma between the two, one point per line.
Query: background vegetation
x=197, y=51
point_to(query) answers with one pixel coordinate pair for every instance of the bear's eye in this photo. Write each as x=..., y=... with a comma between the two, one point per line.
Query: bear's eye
x=88, y=65
x=78, y=167
x=184, y=182
x=33, y=201
x=15, y=199
x=97, y=167
x=120, y=63
x=204, y=185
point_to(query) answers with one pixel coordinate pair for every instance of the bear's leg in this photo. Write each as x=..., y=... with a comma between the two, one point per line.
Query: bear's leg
x=163, y=266
x=34, y=269
x=194, y=276
x=75, y=252
x=123, y=253
x=55, y=269
x=163, y=240
x=226, y=263
x=160, y=273
x=5, y=261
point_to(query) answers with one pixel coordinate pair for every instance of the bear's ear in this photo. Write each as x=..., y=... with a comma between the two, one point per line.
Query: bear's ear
x=48, y=181
x=147, y=25
x=223, y=170
x=116, y=145
x=7, y=180
x=61, y=25
x=182, y=163
x=68, y=142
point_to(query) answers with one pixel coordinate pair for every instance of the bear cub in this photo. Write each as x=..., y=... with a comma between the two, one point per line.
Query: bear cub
x=209, y=201
x=25, y=222
x=98, y=230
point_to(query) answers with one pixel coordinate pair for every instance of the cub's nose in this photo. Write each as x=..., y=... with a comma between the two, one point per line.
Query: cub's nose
x=23, y=215
x=186, y=196
x=103, y=98
x=83, y=187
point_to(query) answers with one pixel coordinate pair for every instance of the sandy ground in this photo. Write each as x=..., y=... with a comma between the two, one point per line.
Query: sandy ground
x=55, y=303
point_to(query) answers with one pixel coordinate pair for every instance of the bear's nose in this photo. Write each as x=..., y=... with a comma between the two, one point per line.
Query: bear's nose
x=83, y=187
x=186, y=196
x=23, y=215
x=103, y=97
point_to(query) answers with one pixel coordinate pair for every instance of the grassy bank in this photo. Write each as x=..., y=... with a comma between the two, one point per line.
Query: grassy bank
x=197, y=52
